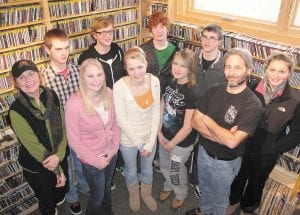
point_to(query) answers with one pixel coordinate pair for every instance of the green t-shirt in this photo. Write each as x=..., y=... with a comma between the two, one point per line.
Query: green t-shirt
x=164, y=55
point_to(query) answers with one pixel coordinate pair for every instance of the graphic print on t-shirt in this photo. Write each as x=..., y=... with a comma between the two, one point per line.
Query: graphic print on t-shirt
x=230, y=114
x=174, y=110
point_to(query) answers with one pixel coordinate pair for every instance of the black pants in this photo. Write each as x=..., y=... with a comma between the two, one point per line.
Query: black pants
x=43, y=184
x=247, y=187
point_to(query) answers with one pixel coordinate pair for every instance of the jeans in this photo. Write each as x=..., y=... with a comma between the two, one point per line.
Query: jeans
x=130, y=158
x=74, y=163
x=99, y=181
x=215, y=177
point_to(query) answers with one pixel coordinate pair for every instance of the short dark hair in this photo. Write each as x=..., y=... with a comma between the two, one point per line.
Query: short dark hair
x=213, y=28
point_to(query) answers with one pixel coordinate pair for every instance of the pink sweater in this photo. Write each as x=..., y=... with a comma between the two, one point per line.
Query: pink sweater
x=86, y=133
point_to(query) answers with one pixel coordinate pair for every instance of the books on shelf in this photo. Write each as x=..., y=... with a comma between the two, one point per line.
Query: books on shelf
x=18, y=15
x=21, y=36
x=276, y=199
x=83, y=24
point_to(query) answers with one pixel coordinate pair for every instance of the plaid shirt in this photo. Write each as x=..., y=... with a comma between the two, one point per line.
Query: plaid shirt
x=63, y=88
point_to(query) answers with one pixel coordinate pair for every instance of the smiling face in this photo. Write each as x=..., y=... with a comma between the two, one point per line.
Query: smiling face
x=59, y=51
x=104, y=36
x=136, y=69
x=93, y=78
x=277, y=73
x=179, y=70
x=29, y=82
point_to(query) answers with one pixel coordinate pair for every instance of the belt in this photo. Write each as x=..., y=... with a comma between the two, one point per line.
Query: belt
x=217, y=158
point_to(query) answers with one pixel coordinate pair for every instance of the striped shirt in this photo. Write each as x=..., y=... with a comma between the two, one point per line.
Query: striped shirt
x=63, y=88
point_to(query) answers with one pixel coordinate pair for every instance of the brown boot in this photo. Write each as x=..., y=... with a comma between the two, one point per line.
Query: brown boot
x=134, y=197
x=147, y=197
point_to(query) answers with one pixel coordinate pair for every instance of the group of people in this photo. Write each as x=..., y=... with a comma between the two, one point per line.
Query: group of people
x=73, y=120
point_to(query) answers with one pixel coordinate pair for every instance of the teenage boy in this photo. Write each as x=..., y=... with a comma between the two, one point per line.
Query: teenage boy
x=210, y=71
x=63, y=78
x=109, y=54
x=159, y=50
x=223, y=131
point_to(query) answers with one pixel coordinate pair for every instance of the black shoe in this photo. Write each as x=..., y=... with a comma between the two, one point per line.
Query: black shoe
x=75, y=208
x=195, y=211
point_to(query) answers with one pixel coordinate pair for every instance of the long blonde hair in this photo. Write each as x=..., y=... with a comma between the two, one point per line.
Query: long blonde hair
x=83, y=89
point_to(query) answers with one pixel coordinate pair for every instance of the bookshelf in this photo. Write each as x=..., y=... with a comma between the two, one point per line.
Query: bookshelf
x=17, y=197
x=147, y=8
x=23, y=24
x=280, y=193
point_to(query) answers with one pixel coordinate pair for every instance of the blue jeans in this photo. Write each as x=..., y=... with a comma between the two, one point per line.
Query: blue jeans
x=74, y=163
x=99, y=181
x=130, y=159
x=215, y=178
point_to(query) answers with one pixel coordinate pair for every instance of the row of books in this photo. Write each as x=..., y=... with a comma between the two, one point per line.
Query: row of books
x=276, y=199
x=9, y=153
x=5, y=82
x=67, y=8
x=19, y=195
x=159, y=7
x=295, y=152
x=3, y=121
x=22, y=36
x=35, y=53
x=258, y=48
x=18, y=15
x=23, y=206
x=289, y=163
x=11, y=183
x=84, y=23
x=5, y=101
x=10, y=168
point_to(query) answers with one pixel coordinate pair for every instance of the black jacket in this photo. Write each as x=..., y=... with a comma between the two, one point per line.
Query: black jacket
x=112, y=62
x=165, y=74
x=279, y=128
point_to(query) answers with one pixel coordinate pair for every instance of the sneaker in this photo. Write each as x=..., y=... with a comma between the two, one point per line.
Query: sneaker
x=197, y=191
x=195, y=211
x=61, y=202
x=112, y=186
x=177, y=203
x=75, y=208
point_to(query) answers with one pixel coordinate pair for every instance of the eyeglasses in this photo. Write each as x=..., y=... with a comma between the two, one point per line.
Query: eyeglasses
x=105, y=33
x=210, y=39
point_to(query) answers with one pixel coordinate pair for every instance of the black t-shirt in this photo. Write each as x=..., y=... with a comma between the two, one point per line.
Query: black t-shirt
x=206, y=63
x=177, y=99
x=227, y=110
